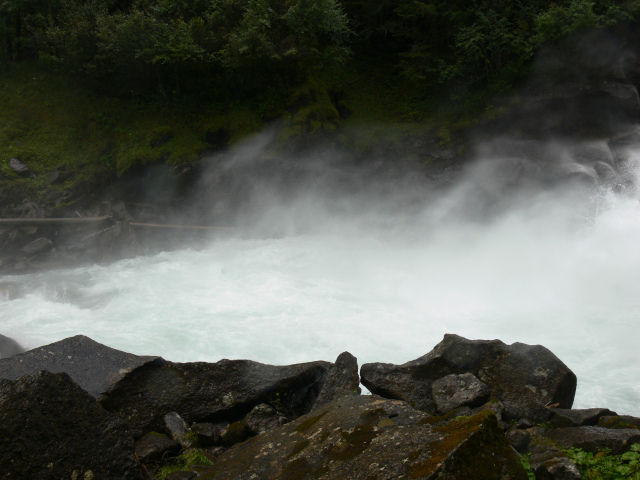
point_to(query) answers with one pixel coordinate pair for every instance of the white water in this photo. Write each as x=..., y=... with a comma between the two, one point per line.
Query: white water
x=554, y=267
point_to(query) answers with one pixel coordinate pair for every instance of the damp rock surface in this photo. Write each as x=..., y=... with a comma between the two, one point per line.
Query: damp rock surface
x=93, y=366
x=527, y=379
x=51, y=428
x=209, y=392
x=369, y=437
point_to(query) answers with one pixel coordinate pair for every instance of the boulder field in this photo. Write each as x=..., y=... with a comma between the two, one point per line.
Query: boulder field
x=469, y=409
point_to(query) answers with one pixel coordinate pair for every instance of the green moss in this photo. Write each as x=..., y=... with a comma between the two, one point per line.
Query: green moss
x=298, y=447
x=309, y=422
x=296, y=469
x=481, y=450
x=353, y=443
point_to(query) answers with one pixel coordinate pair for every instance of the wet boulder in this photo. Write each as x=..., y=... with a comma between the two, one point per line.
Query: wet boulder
x=208, y=434
x=212, y=392
x=37, y=246
x=177, y=429
x=50, y=428
x=455, y=391
x=593, y=439
x=342, y=380
x=552, y=464
x=619, y=421
x=525, y=378
x=577, y=418
x=368, y=437
x=154, y=446
x=19, y=168
x=93, y=366
x=9, y=347
x=263, y=417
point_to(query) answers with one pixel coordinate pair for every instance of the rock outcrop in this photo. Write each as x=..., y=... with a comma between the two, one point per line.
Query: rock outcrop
x=50, y=428
x=93, y=366
x=209, y=392
x=525, y=378
x=368, y=437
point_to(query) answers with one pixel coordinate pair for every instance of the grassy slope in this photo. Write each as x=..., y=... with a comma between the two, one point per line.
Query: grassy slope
x=51, y=120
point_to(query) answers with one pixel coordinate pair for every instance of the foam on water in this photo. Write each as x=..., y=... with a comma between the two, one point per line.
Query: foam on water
x=561, y=270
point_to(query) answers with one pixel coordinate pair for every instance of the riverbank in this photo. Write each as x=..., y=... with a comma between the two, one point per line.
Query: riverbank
x=463, y=405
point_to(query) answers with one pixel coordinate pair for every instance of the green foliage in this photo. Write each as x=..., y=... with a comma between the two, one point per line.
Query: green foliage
x=188, y=459
x=524, y=459
x=603, y=466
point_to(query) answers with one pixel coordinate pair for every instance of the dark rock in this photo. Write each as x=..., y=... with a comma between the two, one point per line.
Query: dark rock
x=552, y=464
x=9, y=347
x=93, y=366
x=20, y=168
x=51, y=428
x=342, y=380
x=455, y=391
x=519, y=439
x=177, y=429
x=619, y=421
x=235, y=433
x=525, y=378
x=523, y=423
x=154, y=446
x=262, y=418
x=496, y=406
x=577, y=418
x=181, y=475
x=212, y=392
x=208, y=433
x=367, y=437
x=593, y=439
x=39, y=245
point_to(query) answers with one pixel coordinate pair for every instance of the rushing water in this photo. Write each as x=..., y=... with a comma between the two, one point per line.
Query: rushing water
x=554, y=266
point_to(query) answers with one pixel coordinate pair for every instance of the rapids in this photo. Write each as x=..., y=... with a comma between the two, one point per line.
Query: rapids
x=557, y=266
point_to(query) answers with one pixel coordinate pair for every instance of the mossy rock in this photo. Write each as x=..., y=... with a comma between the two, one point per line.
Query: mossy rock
x=368, y=437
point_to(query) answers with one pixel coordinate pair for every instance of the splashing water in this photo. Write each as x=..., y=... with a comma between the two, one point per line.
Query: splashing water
x=559, y=268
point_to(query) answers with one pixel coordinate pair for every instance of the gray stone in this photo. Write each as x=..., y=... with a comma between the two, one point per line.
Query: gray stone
x=578, y=418
x=93, y=366
x=177, y=429
x=525, y=378
x=619, y=421
x=19, y=167
x=153, y=446
x=39, y=245
x=593, y=439
x=455, y=391
x=552, y=464
x=9, y=347
x=50, y=427
x=342, y=380
x=519, y=439
x=368, y=437
x=208, y=433
x=262, y=418
x=226, y=390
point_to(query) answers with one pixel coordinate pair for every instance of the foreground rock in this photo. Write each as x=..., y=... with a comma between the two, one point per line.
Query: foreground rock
x=212, y=392
x=525, y=378
x=594, y=439
x=51, y=429
x=368, y=437
x=93, y=366
x=342, y=380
